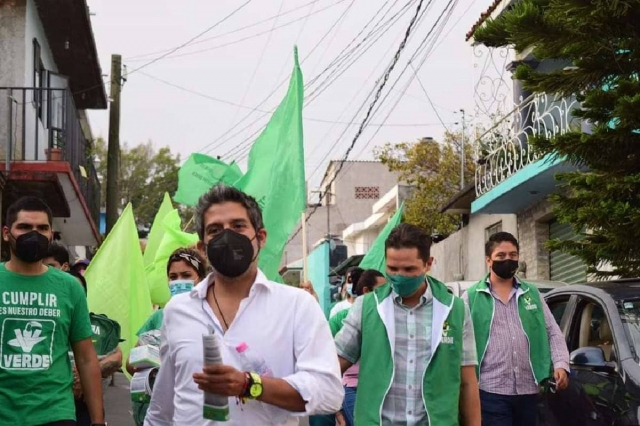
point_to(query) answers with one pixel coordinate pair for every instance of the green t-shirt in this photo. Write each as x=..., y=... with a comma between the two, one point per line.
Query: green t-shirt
x=154, y=322
x=41, y=316
x=336, y=321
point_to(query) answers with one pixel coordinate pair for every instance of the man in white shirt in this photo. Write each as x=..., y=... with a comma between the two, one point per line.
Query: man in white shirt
x=281, y=325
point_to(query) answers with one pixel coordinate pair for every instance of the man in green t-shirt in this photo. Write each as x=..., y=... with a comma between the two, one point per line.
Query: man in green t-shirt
x=43, y=313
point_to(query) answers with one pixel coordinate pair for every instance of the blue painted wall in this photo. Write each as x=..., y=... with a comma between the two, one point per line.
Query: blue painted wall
x=318, y=264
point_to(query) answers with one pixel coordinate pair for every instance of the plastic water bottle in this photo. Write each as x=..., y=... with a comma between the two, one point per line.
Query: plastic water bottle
x=252, y=361
x=216, y=407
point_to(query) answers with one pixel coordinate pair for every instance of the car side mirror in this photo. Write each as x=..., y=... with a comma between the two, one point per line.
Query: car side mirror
x=591, y=357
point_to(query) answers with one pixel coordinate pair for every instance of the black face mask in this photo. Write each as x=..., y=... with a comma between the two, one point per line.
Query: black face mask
x=505, y=269
x=31, y=247
x=230, y=253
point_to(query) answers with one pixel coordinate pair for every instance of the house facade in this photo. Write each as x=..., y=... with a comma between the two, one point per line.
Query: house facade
x=351, y=196
x=49, y=76
x=511, y=179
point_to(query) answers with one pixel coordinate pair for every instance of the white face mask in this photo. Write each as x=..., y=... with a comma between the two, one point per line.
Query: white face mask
x=180, y=286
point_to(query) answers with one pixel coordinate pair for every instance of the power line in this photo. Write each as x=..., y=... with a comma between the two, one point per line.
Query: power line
x=138, y=57
x=429, y=98
x=385, y=78
x=195, y=52
x=221, y=140
x=336, y=61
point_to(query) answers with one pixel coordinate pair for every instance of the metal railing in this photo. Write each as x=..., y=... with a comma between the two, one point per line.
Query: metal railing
x=42, y=124
x=504, y=149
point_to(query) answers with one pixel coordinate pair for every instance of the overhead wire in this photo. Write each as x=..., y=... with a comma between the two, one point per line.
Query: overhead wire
x=376, y=98
x=242, y=145
x=255, y=24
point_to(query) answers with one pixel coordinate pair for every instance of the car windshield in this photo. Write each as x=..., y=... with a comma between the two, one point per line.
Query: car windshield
x=630, y=314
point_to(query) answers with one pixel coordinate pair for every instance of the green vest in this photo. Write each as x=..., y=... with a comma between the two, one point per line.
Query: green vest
x=440, y=380
x=531, y=313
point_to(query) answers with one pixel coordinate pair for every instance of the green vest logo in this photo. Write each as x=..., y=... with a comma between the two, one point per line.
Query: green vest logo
x=26, y=344
x=446, y=339
x=529, y=305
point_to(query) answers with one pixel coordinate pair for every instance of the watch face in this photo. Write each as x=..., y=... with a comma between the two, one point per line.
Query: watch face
x=255, y=390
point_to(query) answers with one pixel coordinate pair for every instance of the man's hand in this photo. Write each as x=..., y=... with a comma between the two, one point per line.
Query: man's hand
x=77, y=387
x=221, y=380
x=340, y=421
x=561, y=378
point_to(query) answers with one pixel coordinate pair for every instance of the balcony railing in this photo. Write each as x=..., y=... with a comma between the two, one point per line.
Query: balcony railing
x=504, y=149
x=43, y=124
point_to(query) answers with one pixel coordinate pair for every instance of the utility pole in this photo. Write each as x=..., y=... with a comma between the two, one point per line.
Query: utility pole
x=328, y=201
x=462, y=153
x=113, y=152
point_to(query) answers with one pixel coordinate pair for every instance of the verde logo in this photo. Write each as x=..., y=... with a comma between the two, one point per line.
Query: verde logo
x=529, y=305
x=446, y=328
x=26, y=344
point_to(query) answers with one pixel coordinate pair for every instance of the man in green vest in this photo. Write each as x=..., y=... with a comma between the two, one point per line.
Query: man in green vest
x=415, y=344
x=518, y=341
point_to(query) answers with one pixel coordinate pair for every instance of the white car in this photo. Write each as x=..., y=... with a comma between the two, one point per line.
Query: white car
x=459, y=287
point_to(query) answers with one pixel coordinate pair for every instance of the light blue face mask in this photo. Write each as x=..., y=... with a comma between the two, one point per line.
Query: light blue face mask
x=405, y=286
x=350, y=289
x=180, y=286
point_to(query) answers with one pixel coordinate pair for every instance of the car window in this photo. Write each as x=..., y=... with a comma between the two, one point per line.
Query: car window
x=557, y=308
x=629, y=311
x=590, y=328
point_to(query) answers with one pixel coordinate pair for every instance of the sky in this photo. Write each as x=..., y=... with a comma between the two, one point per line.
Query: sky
x=213, y=95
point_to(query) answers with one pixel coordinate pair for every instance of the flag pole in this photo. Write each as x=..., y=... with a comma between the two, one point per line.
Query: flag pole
x=188, y=223
x=305, y=266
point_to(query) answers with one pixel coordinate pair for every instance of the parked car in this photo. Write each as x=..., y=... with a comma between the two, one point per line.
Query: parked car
x=459, y=287
x=601, y=323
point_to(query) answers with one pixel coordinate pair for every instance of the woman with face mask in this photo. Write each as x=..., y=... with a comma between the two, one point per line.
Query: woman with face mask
x=185, y=269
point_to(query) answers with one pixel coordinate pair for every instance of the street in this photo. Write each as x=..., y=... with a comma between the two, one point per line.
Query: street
x=118, y=403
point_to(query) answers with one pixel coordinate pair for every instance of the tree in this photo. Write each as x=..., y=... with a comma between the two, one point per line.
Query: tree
x=145, y=175
x=600, y=41
x=433, y=169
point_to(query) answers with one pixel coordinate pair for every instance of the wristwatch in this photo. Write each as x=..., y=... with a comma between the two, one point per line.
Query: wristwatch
x=254, y=389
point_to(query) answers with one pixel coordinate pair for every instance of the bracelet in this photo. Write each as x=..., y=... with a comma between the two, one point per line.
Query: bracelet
x=245, y=389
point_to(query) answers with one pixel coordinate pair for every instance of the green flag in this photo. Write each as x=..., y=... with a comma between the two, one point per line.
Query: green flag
x=173, y=238
x=157, y=231
x=375, y=257
x=275, y=174
x=116, y=282
x=199, y=173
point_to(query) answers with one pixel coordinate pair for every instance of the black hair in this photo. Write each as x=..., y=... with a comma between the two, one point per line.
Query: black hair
x=191, y=257
x=355, y=272
x=82, y=279
x=407, y=236
x=27, y=204
x=368, y=279
x=222, y=193
x=496, y=239
x=58, y=252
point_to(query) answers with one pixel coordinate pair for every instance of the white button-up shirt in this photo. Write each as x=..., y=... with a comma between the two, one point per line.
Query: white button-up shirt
x=283, y=325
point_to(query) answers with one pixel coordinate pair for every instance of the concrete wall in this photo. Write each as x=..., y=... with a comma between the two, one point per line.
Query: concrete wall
x=345, y=209
x=533, y=233
x=12, y=48
x=461, y=255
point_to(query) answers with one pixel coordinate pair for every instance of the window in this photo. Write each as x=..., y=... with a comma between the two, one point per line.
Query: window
x=367, y=192
x=493, y=229
x=557, y=308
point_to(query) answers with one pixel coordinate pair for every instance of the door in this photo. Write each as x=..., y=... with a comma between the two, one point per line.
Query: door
x=563, y=266
x=589, y=400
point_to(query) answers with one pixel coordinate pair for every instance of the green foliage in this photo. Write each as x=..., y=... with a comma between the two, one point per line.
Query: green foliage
x=598, y=42
x=145, y=175
x=433, y=169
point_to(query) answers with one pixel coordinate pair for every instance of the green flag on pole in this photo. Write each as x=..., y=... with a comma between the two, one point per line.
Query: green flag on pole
x=199, y=173
x=375, y=257
x=157, y=231
x=275, y=174
x=116, y=283
x=156, y=272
